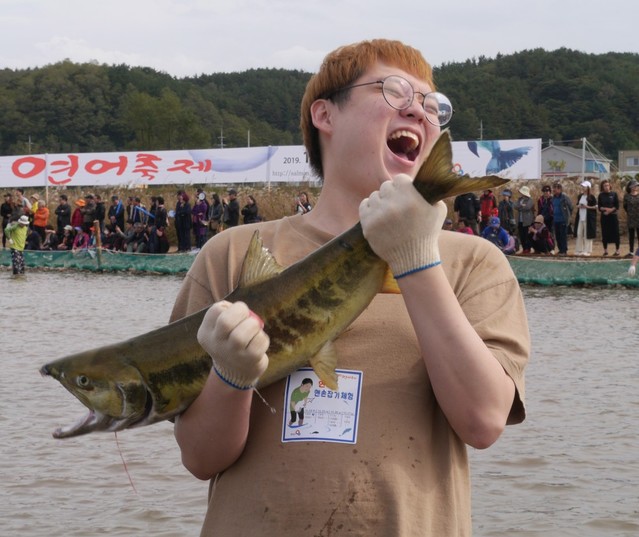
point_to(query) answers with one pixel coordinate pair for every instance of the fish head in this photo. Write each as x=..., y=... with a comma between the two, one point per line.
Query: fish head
x=114, y=392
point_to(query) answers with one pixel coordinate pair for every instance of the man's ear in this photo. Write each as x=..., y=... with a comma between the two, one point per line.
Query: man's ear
x=321, y=115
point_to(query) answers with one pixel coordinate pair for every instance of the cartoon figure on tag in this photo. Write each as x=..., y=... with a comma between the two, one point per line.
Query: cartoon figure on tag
x=297, y=402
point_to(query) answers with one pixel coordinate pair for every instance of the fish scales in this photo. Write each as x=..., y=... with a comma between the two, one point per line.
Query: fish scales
x=305, y=307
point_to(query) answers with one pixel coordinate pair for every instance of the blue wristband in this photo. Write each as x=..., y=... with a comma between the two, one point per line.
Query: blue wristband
x=229, y=383
x=413, y=271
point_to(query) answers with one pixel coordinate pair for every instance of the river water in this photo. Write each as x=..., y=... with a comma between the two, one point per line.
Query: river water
x=569, y=470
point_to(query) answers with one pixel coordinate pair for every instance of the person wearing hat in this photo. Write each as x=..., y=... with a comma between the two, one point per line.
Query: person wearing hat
x=631, y=206
x=585, y=220
x=16, y=233
x=525, y=208
x=506, y=212
x=77, y=218
x=496, y=234
x=41, y=218
x=231, y=209
x=540, y=237
x=561, y=211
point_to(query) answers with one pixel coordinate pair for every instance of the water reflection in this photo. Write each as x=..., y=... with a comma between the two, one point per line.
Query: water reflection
x=569, y=470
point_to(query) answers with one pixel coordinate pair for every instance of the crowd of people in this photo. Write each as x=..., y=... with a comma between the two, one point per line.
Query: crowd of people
x=125, y=224
x=544, y=226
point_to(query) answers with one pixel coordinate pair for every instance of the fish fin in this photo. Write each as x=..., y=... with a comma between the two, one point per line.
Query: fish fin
x=390, y=283
x=259, y=264
x=324, y=364
x=436, y=179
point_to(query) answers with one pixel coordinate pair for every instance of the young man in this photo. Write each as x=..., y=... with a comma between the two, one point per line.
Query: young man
x=441, y=364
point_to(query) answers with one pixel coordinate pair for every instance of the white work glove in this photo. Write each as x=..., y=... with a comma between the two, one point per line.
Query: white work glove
x=402, y=227
x=232, y=334
x=631, y=270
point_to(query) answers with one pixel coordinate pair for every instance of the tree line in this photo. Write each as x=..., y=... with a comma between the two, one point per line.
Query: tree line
x=88, y=107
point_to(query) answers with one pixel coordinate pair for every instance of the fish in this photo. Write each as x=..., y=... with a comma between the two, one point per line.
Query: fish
x=155, y=376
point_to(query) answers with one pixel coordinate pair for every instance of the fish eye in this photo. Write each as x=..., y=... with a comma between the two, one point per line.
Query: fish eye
x=82, y=381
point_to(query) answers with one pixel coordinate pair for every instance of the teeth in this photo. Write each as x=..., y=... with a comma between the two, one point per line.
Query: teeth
x=406, y=134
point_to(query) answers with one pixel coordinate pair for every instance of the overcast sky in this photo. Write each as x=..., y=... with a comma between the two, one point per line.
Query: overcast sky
x=191, y=37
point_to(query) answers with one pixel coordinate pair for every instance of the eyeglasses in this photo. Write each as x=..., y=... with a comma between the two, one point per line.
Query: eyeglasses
x=399, y=94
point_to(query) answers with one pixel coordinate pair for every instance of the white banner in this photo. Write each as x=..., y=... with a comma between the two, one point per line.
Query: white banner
x=514, y=159
x=511, y=159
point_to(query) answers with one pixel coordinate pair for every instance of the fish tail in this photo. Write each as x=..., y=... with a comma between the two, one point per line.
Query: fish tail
x=436, y=179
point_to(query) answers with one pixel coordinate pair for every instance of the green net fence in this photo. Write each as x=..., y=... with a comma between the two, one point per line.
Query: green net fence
x=104, y=260
x=529, y=270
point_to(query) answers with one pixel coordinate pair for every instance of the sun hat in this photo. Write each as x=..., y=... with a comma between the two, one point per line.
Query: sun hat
x=586, y=184
x=539, y=219
x=23, y=220
x=35, y=197
x=68, y=228
x=524, y=191
x=80, y=203
x=494, y=221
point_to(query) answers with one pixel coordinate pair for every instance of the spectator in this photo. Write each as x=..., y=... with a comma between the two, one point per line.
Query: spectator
x=138, y=241
x=525, y=217
x=216, y=211
x=41, y=218
x=158, y=241
x=6, y=211
x=200, y=224
x=631, y=206
x=63, y=215
x=250, y=211
x=302, y=203
x=585, y=221
x=231, y=209
x=77, y=218
x=463, y=227
x=88, y=212
x=561, y=210
x=506, y=212
x=466, y=207
x=540, y=237
x=487, y=204
x=116, y=212
x=68, y=238
x=51, y=240
x=100, y=211
x=81, y=239
x=608, y=203
x=498, y=235
x=183, y=221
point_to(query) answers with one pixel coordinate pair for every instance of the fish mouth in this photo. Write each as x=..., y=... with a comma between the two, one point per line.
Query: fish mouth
x=93, y=421
x=405, y=144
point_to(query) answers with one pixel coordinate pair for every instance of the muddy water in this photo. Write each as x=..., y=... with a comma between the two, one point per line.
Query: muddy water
x=570, y=469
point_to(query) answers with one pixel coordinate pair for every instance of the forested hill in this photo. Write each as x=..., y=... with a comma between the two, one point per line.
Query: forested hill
x=64, y=107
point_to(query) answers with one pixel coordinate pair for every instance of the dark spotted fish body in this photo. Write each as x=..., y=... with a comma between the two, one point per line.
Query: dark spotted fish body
x=305, y=307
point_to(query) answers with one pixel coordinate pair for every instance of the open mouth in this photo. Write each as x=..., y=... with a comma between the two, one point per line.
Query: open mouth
x=404, y=144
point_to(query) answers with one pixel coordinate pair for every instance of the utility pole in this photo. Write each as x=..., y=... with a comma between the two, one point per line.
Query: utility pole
x=221, y=138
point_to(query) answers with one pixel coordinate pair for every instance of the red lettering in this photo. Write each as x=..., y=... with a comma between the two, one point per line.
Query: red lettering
x=68, y=167
x=98, y=166
x=34, y=165
x=185, y=165
x=146, y=165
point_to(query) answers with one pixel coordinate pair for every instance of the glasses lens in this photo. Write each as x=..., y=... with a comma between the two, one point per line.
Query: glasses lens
x=398, y=92
x=439, y=109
